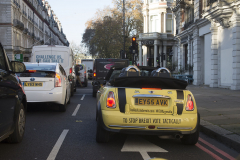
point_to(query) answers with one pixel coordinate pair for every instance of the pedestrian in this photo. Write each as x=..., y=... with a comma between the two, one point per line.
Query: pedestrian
x=77, y=71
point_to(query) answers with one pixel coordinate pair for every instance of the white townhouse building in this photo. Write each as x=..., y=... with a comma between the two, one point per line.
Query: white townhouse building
x=206, y=39
x=25, y=23
x=157, y=39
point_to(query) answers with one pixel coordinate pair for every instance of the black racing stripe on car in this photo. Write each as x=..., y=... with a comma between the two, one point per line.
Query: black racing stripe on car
x=122, y=99
x=180, y=94
x=179, y=108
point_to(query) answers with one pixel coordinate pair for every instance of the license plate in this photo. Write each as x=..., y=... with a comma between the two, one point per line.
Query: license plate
x=33, y=84
x=151, y=101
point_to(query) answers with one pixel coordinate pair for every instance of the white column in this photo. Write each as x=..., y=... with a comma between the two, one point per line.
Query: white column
x=236, y=52
x=148, y=19
x=164, y=22
x=144, y=56
x=155, y=53
x=214, y=56
x=140, y=53
x=197, y=66
x=144, y=24
x=160, y=21
x=165, y=53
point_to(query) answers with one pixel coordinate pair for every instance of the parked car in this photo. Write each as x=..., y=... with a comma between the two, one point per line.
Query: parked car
x=83, y=74
x=46, y=82
x=56, y=54
x=13, y=100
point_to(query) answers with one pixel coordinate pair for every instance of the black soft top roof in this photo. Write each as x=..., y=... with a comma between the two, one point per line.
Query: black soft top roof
x=149, y=82
x=145, y=81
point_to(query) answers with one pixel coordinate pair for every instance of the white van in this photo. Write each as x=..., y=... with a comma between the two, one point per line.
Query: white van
x=56, y=54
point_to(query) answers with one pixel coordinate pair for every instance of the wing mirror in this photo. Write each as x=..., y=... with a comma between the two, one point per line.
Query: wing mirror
x=18, y=67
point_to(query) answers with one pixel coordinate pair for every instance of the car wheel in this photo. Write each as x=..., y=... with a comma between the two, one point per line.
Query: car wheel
x=72, y=92
x=102, y=136
x=63, y=107
x=19, y=126
x=69, y=101
x=192, y=139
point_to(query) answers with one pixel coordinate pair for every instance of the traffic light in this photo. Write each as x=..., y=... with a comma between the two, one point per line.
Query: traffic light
x=134, y=42
x=157, y=60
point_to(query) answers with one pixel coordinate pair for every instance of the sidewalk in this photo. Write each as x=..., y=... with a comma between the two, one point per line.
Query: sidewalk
x=219, y=109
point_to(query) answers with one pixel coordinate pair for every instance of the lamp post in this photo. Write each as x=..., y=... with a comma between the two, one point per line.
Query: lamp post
x=123, y=26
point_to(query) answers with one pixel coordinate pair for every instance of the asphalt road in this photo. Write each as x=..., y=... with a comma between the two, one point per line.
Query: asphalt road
x=51, y=134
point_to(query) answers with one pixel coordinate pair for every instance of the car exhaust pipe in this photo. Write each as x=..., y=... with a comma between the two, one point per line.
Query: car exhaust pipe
x=177, y=136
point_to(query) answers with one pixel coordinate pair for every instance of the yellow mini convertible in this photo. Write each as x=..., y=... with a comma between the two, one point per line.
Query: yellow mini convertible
x=146, y=100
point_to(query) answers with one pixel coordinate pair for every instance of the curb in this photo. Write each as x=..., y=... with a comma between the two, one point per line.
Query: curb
x=226, y=137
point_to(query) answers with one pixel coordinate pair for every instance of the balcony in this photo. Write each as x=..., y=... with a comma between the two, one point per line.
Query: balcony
x=187, y=24
x=219, y=11
x=153, y=36
x=25, y=31
x=16, y=3
x=181, y=4
x=18, y=24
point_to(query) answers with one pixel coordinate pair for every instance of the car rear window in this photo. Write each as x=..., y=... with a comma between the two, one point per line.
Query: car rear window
x=38, y=70
x=48, y=74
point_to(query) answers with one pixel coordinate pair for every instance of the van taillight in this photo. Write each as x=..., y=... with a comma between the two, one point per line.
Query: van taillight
x=94, y=74
x=111, y=100
x=58, y=80
x=70, y=70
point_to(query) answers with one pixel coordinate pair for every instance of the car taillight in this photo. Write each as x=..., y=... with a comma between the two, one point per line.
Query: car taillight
x=58, y=80
x=190, y=104
x=94, y=75
x=111, y=100
x=70, y=71
x=31, y=71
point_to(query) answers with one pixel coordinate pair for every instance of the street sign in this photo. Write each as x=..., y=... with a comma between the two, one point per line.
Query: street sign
x=19, y=57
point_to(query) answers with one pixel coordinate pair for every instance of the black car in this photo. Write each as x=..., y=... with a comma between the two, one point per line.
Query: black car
x=13, y=101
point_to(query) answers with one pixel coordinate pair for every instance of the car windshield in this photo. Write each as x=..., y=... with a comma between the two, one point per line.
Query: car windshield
x=115, y=74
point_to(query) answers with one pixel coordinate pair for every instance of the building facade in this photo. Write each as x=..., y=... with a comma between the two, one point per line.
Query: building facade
x=206, y=41
x=25, y=23
x=212, y=45
x=156, y=43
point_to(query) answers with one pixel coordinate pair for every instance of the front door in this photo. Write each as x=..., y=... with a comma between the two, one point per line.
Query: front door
x=7, y=95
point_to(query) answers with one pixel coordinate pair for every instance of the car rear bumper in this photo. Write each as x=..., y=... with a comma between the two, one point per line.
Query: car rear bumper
x=115, y=121
x=55, y=95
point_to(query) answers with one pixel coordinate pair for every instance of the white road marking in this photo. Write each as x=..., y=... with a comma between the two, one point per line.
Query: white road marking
x=136, y=144
x=83, y=97
x=57, y=146
x=76, y=110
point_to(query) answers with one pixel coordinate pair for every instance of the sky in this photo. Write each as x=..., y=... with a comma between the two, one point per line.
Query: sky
x=73, y=14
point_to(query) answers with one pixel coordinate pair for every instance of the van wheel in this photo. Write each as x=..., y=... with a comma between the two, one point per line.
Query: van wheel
x=63, y=107
x=75, y=89
x=19, y=126
x=102, y=136
x=192, y=139
x=94, y=93
x=86, y=82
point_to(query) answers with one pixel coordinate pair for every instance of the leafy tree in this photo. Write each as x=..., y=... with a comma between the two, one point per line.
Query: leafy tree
x=103, y=36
